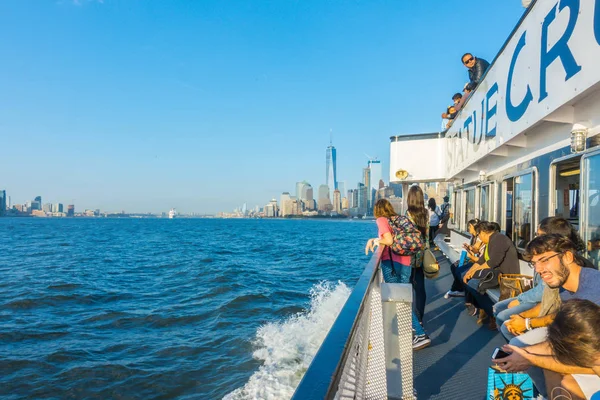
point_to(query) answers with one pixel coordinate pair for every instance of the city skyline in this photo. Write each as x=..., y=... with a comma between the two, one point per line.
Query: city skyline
x=203, y=106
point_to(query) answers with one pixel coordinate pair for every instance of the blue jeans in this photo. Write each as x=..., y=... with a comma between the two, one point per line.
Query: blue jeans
x=503, y=313
x=402, y=275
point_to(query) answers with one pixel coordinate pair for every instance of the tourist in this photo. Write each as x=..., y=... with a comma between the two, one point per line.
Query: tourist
x=568, y=356
x=555, y=258
x=435, y=215
x=472, y=256
x=395, y=268
x=477, y=68
x=500, y=257
x=541, y=293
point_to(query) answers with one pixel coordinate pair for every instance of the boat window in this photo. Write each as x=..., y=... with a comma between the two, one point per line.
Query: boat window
x=469, y=205
x=565, y=199
x=507, y=207
x=485, y=202
x=591, y=193
x=523, y=210
x=456, y=207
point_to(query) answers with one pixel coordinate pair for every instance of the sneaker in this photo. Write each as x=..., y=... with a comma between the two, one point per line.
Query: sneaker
x=454, y=293
x=472, y=310
x=420, y=342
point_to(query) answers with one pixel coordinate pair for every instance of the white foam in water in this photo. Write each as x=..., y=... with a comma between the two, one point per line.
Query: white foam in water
x=288, y=347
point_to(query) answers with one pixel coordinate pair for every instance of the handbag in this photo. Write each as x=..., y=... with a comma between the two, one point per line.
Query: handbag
x=431, y=268
x=506, y=385
x=512, y=285
x=488, y=279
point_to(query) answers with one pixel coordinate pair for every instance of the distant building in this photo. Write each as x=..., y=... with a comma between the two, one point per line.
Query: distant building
x=376, y=174
x=345, y=203
x=363, y=199
x=47, y=207
x=70, y=210
x=337, y=201
x=330, y=167
x=2, y=203
x=341, y=186
x=309, y=199
x=57, y=208
x=35, y=205
x=397, y=188
x=324, y=201
x=38, y=199
x=286, y=205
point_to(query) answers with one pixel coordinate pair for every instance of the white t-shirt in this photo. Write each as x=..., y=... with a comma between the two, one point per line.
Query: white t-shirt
x=435, y=216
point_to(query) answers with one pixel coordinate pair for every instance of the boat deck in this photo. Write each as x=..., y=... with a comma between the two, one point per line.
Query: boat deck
x=455, y=366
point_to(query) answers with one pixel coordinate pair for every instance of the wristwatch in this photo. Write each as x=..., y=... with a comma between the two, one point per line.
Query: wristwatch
x=528, y=324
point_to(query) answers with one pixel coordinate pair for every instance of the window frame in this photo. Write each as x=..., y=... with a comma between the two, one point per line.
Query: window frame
x=584, y=187
x=534, y=198
x=465, y=217
x=552, y=183
x=491, y=185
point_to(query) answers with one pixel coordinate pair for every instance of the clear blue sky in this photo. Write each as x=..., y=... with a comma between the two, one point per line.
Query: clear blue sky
x=204, y=105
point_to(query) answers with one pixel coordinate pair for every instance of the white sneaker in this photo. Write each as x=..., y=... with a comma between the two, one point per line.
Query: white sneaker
x=452, y=293
x=421, y=341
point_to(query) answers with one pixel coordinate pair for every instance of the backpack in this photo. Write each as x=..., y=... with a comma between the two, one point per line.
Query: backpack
x=408, y=239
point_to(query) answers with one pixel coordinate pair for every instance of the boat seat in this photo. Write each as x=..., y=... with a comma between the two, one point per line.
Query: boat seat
x=493, y=294
x=451, y=252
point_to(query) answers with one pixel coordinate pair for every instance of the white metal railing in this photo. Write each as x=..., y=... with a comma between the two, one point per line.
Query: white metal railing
x=368, y=351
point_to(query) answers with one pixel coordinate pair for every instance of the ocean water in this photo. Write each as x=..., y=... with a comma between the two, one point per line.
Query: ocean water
x=164, y=309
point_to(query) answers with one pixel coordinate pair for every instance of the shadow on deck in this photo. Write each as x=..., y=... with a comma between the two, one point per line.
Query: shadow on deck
x=455, y=366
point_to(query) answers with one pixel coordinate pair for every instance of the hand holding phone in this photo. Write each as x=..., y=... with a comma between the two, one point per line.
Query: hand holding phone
x=499, y=353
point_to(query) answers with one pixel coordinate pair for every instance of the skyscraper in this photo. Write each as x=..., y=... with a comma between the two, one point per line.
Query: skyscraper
x=301, y=188
x=70, y=210
x=342, y=188
x=2, y=203
x=375, y=167
x=324, y=201
x=337, y=201
x=330, y=168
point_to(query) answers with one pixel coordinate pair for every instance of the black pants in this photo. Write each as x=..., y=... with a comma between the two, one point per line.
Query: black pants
x=432, y=232
x=417, y=279
x=481, y=301
x=458, y=273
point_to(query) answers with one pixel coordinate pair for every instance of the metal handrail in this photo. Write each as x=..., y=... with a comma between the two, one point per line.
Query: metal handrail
x=322, y=377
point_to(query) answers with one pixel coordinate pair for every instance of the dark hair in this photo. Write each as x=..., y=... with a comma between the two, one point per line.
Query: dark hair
x=457, y=96
x=431, y=204
x=466, y=54
x=416, y=208
x=488, y=227
x=549, y=242
x=446, y=199
x=383, y=208
x=562, y=227
x=573, y=335
x=475, y=222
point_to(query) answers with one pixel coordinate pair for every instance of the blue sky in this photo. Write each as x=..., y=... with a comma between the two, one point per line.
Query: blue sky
x=204, y=105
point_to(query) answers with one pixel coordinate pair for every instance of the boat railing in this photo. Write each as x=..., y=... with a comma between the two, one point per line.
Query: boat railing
x=367, y=353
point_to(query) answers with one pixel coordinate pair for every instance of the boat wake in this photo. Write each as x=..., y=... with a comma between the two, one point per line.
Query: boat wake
x=287, y=348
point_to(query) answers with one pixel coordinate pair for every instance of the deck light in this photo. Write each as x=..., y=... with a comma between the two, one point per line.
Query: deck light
x=401, y=174
x=578, y=138
x=570, y=172
x=481, y=176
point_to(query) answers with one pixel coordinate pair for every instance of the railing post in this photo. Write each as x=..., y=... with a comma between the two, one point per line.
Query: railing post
x=397, y=333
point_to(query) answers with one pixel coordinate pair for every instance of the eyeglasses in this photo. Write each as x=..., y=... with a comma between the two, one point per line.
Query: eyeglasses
x=468, y=60
x=543, y=261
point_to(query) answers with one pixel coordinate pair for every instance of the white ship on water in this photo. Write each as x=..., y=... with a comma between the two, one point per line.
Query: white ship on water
x=172, y=213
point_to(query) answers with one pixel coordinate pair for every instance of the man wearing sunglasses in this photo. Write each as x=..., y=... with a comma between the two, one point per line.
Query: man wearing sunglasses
x=555, y=258
x=477, y=68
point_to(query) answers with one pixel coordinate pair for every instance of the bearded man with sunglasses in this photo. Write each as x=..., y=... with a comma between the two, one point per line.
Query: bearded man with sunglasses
x=477, y=68
x=555, y=258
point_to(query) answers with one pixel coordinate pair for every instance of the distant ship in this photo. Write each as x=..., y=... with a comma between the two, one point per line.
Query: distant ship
x=172, y=213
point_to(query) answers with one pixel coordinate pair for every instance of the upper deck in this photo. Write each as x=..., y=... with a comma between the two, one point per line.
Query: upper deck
x=542, y=85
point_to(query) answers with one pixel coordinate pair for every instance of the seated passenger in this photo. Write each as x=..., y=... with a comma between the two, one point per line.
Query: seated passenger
x=477, y=68
x=473, y=253
x=569, y=357
x=555, y=258
x=549, y=298
x=500, y=257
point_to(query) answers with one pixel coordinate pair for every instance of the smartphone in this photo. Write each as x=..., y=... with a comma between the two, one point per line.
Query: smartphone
x=499, y=353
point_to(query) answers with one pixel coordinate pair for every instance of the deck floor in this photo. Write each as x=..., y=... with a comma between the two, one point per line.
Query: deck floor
x=455, y=365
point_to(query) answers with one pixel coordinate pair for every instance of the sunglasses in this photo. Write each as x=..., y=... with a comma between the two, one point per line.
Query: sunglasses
x=468, y=60
x=532, y=264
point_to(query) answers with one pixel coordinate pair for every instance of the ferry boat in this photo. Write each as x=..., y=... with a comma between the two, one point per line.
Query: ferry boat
x=172, y=213
x=524, y=146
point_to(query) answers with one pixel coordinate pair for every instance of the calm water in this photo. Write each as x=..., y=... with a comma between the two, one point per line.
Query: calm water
x=149, y=309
